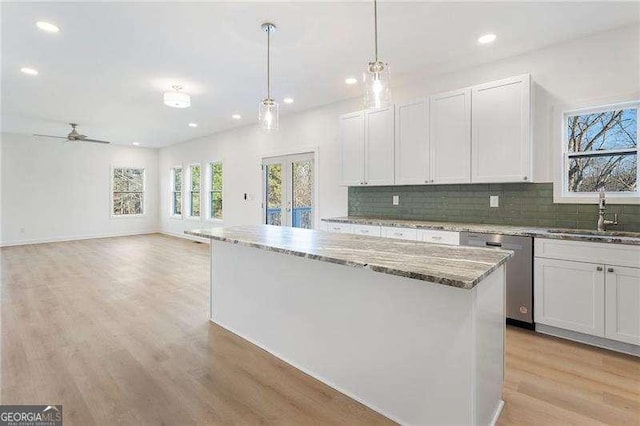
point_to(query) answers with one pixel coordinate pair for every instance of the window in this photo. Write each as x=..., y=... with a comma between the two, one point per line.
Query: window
x=127, y=196
x=215, y=190
x=176, y=191
x=194, y=190
x=601, y=151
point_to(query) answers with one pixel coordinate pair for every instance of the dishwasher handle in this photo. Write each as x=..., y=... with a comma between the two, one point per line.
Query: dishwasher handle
x=493, y=244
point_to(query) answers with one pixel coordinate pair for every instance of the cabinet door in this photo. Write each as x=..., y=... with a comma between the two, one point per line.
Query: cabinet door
x=501, y=131
x=412, y=143
x=352, y=148
x=623, y=304
x=569, y=295
x=450, y=137
x=379, y=136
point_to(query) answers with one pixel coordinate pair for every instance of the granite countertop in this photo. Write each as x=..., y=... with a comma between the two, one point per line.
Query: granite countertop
x=462, y=267
x=615, y=237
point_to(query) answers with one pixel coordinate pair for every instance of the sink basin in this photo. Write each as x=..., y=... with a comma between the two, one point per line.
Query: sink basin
x=594, y=232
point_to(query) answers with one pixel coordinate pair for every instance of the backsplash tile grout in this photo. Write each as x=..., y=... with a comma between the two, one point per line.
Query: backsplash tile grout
x=524, y=204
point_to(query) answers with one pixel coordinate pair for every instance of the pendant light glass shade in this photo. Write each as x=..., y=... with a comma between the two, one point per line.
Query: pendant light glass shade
x=268, y=114
x=376, y=80
x=268, y=109
x=177, y=99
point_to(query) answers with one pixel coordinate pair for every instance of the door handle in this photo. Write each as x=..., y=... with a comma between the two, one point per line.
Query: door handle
x=610, y=270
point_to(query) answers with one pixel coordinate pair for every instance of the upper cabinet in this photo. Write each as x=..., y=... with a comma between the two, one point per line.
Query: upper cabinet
x=450, y=137
x=352, y=148
x=366, y=147
x=501, y=131
x=412, y=143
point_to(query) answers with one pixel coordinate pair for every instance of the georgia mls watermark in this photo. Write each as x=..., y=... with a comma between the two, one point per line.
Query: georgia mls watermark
x=30, y=415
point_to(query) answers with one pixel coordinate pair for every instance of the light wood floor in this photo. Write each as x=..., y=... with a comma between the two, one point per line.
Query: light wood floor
x=116, y=330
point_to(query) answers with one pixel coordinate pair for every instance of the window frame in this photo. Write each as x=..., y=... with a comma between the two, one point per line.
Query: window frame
x=561, y=194
x=113, y=168
x=172, y=190
x=187, y=194
x=209, y=190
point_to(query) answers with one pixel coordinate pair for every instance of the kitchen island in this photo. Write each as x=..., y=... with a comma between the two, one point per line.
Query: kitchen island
x=411, y=329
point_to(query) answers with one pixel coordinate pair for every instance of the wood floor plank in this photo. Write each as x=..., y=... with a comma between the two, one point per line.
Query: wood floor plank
x=116, y=330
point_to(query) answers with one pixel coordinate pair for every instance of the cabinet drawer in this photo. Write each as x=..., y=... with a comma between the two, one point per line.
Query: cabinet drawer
x=586, y=251
x=400, y=233
x=341, y=228
x=439, y=237
x=371, y=230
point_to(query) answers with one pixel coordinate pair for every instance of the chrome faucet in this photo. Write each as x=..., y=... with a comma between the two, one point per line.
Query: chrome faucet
x=602, y=211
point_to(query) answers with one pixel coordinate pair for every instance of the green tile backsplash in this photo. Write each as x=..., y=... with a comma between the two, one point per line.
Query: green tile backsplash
x=520, y=204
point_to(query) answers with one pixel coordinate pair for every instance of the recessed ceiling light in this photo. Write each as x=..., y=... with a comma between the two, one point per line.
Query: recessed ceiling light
x=351, y=80
x=236, y=116
x=193, y=124
x=135, y=143
x=47, y=26
x=288, y=100
x=487, y=38
x=29, y=71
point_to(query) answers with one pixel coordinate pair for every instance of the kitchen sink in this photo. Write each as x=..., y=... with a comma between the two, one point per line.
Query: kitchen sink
x=594, y=232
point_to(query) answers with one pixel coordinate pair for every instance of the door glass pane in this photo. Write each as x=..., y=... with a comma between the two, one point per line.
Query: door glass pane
x=273, y=194
x=302, y=190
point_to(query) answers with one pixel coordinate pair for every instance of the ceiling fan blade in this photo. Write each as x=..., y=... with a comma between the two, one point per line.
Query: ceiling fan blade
x=51, y=136
x=93, y=140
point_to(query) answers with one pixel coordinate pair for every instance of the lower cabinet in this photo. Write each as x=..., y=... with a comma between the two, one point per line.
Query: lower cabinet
x=622, y=286
x=570, y=295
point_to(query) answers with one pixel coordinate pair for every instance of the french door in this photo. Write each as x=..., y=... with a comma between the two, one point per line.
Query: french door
x=288, y=190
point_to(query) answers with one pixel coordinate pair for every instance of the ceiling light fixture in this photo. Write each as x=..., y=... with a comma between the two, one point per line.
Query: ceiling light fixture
x=376, y=78
x=288, y=100
x=351, y=80
x=135, y=143
x=193, y=124
x=487, y=38
x=177, y=99
x=268, y=109
x=236, y=116
x=30, y=71
x=47, y=26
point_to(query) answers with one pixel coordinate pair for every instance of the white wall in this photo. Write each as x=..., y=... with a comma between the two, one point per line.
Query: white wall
x=591, y=68
x=58, y=191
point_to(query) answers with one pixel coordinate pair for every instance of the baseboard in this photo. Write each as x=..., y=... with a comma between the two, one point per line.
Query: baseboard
x=76, y=238
x=600, y=342
x=186, y=237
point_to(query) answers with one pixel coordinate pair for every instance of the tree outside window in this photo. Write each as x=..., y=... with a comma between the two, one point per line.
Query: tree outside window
x=194, y=192
x=215, y=208
x=127, y=191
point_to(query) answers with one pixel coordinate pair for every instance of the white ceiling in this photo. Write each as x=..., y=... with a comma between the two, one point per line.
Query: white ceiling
x=110, y=63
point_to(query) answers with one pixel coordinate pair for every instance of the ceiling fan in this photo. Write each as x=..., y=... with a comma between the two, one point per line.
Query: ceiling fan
x=74, y=136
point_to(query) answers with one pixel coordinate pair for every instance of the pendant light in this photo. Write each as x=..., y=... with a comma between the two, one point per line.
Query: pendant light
x=268, y=110
x=376, y=78
x=177, y=99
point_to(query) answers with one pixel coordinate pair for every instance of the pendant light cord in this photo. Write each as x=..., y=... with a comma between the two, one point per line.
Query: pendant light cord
x=269, y=63
x=375, y=25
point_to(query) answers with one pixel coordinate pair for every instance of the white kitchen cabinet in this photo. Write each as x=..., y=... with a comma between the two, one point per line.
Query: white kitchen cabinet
x=412, y=143
x=379, y=145
x=400, y=233
x=439, y=237
x=501, y=131
x=352, y=148
x=450, y=137
x=570, y=295
x=622, y=286
x=340, y=228
x=369, y=230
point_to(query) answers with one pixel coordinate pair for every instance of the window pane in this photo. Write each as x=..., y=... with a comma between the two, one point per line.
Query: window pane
x=177, y=203
x=216, y=176
x=195, y=178
x=195, y=204
x=616, y=129
x=216, y=205
x=128, y=187
x=616, y=173
x=126, y=203
x=177, y=179
x=274, y=194
x=302, y=175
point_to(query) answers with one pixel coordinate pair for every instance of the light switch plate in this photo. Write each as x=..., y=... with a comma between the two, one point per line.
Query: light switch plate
x=494, y=201
x=396, y=200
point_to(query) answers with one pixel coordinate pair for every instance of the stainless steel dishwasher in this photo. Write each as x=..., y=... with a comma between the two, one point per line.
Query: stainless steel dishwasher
x=519, y=272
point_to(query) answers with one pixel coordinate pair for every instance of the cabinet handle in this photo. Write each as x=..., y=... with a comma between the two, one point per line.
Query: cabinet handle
x=427, y=181
x=397, y=234
x=610, y=270
x=364, y=231
x=524, y=178
x=436, y=238
x=599, y=268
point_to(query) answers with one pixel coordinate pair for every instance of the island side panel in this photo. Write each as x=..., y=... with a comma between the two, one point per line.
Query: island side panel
x=404, y=347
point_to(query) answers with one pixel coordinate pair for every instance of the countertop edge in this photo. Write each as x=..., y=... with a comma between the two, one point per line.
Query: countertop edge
x=465, y=285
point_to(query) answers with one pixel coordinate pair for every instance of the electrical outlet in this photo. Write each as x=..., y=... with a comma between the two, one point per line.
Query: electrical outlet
x=396, y=200
x=494, y=201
